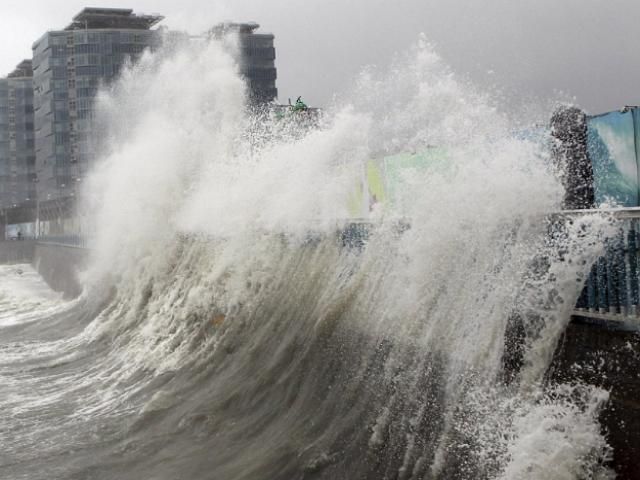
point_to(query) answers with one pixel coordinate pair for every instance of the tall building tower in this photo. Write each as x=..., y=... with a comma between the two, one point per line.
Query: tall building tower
x=17, y=156
x=68, y=68
x=256, y=58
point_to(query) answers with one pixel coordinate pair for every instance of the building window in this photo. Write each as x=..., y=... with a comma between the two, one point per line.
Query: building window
x=90, y=70
x=61, y=138
x=80, y=37
x=59, y=72
x=58, y=40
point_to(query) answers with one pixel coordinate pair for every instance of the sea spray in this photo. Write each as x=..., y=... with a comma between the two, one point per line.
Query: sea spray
x=242, y=338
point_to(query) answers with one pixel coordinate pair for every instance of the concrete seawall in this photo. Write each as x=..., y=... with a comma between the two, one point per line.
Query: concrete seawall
x=14, y=251
x=59, y=266
x=607, y=357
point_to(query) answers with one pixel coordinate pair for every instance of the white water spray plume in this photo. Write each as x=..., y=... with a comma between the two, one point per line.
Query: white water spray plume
x=229, y=331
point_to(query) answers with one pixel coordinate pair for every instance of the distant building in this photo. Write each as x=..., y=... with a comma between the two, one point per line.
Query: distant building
x=17, y=155
x=68, y=68
x=257, y=56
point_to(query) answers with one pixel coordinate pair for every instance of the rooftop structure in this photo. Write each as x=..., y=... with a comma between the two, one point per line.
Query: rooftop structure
x=23, y=69
x=232, y=27
x=119, y=18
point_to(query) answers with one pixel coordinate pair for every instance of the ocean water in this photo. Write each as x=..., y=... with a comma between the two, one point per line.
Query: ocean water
x=226, y=332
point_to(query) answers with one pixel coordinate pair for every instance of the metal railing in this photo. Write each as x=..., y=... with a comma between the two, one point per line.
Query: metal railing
x=76, y=241
x=612, y=289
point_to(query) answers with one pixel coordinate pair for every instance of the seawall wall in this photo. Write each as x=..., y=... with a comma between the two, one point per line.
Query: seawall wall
x=59, y=266
x=607, y=356
x=15, y=251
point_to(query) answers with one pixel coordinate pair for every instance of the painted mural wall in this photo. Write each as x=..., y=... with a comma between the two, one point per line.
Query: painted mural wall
x=383, y=179
x=612, y=143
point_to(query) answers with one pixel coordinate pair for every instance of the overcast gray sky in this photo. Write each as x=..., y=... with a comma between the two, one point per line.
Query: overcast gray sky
x=541, y=48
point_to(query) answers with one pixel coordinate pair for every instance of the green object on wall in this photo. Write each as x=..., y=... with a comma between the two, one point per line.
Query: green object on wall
x=385, y=179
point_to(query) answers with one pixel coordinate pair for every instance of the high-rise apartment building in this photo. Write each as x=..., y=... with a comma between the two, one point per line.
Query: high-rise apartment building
x=256, y=58
x=69, y=66
x=17, y=157
x=47, y=127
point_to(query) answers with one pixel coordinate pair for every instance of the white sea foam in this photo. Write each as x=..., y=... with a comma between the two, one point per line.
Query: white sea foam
x=24, y=295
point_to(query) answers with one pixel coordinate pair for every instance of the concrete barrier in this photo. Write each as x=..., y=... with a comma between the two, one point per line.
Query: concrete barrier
x=16, y=251
x=59, y=266
x=598, y=354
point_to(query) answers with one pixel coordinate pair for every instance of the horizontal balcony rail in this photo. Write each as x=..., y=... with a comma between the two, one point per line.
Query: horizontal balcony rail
x=612, y=290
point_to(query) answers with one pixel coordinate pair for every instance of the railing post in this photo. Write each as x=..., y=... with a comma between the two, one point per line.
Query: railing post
x=620, y=255
x=592, y=286
x=632, y=255
x=602, y=285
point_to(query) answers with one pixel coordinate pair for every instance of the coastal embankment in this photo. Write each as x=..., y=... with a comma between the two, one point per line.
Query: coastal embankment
x=57, y=263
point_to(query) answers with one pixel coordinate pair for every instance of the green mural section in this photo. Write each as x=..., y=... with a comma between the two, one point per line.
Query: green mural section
x=385, y=180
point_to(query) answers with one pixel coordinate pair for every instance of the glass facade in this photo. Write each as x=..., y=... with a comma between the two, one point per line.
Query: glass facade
x=257, y=65
x=69, y=67
x=257, y=57
x=17, y=158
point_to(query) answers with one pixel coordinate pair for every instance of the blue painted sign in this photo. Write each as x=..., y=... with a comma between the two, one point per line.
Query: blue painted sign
x=612, y=141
